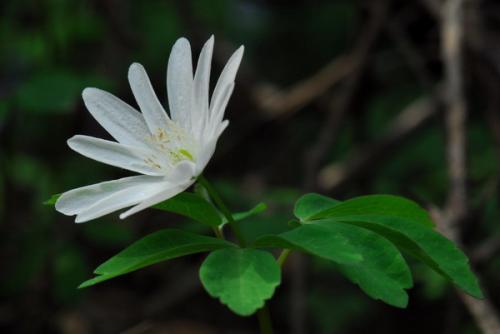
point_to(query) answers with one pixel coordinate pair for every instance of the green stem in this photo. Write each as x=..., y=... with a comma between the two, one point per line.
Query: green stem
x=283, y=256
x=263, y=314
x=264, y=320
x=218, y=233
x=222, y=207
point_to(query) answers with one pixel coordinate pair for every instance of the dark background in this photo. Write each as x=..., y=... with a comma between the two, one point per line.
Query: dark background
x=339, y=97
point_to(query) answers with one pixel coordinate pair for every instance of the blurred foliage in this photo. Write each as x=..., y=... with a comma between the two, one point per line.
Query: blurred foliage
x=51, y=50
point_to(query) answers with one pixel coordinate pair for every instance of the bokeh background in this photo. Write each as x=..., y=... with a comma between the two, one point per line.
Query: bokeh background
x=339, y=97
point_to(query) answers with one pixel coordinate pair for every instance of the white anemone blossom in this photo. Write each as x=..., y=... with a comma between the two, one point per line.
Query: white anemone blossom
x=169, y=151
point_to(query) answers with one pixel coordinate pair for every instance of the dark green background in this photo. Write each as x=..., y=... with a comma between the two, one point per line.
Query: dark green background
x=51, y=50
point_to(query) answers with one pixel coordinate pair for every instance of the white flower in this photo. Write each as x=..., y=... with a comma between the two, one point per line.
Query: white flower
x=170, y=152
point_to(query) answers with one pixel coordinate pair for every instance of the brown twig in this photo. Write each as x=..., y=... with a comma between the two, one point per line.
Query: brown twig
x=452, y=44
x=480, y=40
x=314, y=157
x=452, y=34
x=340, y=105
x=275, y=102
x=335, y=176
x=483, y=312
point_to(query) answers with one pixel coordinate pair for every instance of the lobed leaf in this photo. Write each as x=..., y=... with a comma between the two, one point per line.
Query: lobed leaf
x=366, y=258
x=383, y=273
x=406, y=225
x=422, y=243
x=242, y=279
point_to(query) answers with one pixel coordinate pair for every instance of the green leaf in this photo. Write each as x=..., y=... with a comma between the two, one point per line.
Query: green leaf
x=192, y=206
x=156, y=247
x=311, y=204
x=383, y=273
x=421, y=242
x=322, y=241
x=379, y=206
x=245, y=214
x=366, y=258
x=242, y=279
x=52, y=200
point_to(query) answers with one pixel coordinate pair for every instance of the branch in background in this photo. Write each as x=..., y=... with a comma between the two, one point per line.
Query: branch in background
x=275, y=102
x=335, y=176
x=482, y=41
x=357, y=59
x=452, y=34
x=452, y=55
x=483, y=312
x=340, y=104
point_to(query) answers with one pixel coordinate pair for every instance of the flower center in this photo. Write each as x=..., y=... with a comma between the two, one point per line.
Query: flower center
x=186, y=154
x=173, y=145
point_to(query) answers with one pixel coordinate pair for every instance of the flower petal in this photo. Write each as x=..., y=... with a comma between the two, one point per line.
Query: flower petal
x=148, y=102
x=122, y=121
x=222, y=126
x=181, y=177
x=157, y=198
x=182, y=172
x=219, y=107
x=208, y=149
x=205, y=154
x=78, y=200
x=120, y=200
x=200, y=111
x=114, y=154
x=226, y=79
x=180, y=83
